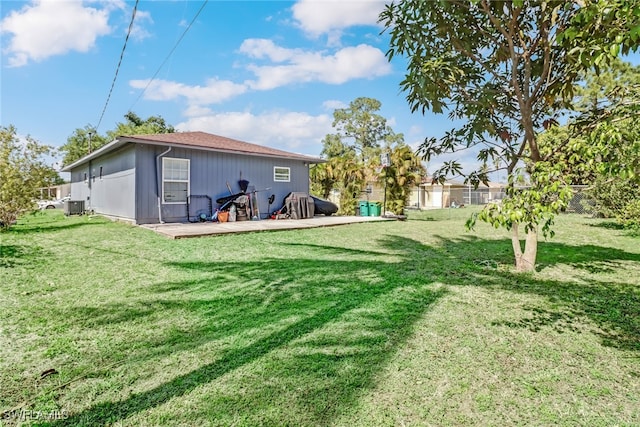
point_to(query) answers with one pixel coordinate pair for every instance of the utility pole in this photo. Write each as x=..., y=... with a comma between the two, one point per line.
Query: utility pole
x=90, y=174
x=90, y=133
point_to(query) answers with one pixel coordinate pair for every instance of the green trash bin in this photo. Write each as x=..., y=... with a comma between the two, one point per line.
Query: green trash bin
x=375, y=208
x=364, y=208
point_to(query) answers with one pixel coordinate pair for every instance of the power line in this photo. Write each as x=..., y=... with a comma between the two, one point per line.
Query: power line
x=169, y=55
x=115, y=77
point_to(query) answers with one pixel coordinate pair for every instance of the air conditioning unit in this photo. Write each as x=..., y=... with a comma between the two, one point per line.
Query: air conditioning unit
x=74, y=207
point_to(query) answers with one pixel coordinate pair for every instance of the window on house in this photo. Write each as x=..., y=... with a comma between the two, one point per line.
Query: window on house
x=281, y=174
x=86, y=177
x=175, y=180
x=100, y=172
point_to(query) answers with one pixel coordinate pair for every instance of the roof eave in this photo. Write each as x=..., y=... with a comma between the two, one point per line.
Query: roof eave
x=100, y=151
x=300, y=157
x=122, y=140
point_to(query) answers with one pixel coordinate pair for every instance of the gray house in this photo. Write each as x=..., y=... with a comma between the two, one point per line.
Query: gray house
x=169, y=177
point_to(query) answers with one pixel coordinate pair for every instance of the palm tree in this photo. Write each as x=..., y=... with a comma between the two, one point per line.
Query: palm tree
x=403, y=173
x=351, y=175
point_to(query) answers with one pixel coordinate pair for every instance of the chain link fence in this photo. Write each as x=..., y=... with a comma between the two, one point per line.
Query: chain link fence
x=581, y=203
x=448, y=196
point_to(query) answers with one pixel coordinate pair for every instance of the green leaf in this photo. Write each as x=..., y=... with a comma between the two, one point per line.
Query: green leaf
x=614, y=49
x=634, y=34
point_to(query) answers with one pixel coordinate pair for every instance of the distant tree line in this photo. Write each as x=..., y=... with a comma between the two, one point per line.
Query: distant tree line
x=23, y=162
x=87, y=138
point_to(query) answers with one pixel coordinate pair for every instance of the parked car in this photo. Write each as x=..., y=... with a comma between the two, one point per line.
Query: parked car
x=53, y=204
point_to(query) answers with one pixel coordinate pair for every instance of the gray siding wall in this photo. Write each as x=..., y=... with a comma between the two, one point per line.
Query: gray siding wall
x=209, y=174
x=110, y=185
x=80, y=187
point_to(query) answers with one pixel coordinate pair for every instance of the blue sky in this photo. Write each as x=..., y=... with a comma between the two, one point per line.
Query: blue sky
x=267, y=72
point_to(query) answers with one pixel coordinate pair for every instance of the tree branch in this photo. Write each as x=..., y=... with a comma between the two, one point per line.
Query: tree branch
x=517, y=157
x=546, y=70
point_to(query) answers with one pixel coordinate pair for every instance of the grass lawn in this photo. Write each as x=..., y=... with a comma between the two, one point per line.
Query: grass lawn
x=413, y=322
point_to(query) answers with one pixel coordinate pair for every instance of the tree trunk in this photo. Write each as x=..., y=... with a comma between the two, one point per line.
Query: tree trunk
x=525, y=261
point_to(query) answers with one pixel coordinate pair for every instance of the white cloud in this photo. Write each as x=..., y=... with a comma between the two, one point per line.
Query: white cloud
x=138, y=31
x=416, y=130
x=265, y=48
x=291, y=131
x=196, y=111
x=331, y=17
x=48, y=27
x=349, y=63
x=333, y=104
x=362, y=61
x=213, y=92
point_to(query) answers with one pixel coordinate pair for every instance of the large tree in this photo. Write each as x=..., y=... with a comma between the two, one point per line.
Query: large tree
x=80, y=143
x=360, y=128
x=23, y=171
x=353, y=157
x=609, y=121
x=508, y=68
x=600, y=147
x=134, y=125
x=87, y=139
x=610, y=150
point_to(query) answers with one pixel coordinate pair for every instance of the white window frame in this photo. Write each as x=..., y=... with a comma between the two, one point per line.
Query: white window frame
x=165, y=160
x=279, y=176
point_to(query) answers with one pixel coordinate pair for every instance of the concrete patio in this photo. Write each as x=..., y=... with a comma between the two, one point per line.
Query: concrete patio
x=198, y=229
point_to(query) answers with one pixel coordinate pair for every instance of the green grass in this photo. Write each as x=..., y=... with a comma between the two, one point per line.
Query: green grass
x=413, y=322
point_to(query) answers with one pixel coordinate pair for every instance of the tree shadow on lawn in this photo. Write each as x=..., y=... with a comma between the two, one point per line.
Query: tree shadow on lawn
x=45, y=222
x=425, y=219
x=18, y=255
x=613, y=307
x=630, y=231
x=320, y=329
x=609, y=225
x=313, y=332
x=550, y=253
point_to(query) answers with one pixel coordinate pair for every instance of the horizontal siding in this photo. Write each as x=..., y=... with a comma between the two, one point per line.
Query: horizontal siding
x=209, y=174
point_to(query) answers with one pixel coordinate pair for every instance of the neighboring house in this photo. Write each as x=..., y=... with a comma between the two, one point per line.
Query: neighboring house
x=151, y=178
x=436, y=196
x=55, y=191
x=452, y=193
